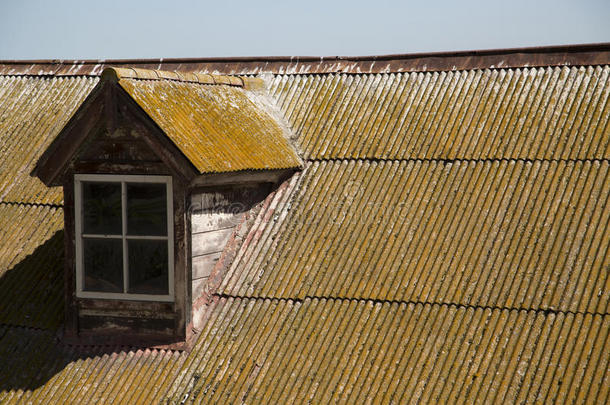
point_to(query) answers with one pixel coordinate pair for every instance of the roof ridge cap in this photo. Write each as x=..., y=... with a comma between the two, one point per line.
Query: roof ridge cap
x=117, y=73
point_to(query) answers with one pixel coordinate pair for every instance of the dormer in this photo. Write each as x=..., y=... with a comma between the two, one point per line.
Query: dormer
x=158, y=170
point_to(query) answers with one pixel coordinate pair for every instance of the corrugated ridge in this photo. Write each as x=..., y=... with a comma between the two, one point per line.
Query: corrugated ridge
x=187, y=77
x=546, y=311
x=266, y=351
x=499, y=234
x=531, y=113
x=33, y=112
x=218, y=128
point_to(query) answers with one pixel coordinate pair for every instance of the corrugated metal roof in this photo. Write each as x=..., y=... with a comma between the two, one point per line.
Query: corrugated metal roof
x=545, y=113
x=31, y=266
x=472, y=266
x=218, y=128
x=33, y=112
x=493, y=233
x=356, y=351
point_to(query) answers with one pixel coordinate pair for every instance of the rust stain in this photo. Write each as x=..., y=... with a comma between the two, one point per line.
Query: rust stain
x=570, y=55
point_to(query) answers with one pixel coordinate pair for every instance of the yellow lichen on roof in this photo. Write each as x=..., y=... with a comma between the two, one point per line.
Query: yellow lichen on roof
x=33, y=112
x=324, y=351
x=218, y=128
x=116, y=73
x=530, y=113
x=488, y=233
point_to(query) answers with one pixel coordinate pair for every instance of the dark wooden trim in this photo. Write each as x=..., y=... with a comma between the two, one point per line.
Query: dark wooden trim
x=56, y=158
x=224, y=179
x=134, y=340
x=71, y=307
x=182, y=301
x=127, y=307
x=188, y=259
x=146, y=168
x=111, y=111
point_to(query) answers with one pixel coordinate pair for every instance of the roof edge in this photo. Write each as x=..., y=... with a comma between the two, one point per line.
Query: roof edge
x=561, y=55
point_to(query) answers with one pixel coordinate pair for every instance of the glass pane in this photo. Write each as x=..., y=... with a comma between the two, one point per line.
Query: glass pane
x=102, y=208
x=146, y=209
x=103, y=265
x=148, y=267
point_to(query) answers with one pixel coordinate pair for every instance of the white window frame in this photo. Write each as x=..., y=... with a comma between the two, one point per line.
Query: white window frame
x=123, y=180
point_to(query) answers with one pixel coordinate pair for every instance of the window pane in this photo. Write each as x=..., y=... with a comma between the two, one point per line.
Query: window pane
x=102, y=208
x=146, y=209
x=148, y=267
x=103, y=265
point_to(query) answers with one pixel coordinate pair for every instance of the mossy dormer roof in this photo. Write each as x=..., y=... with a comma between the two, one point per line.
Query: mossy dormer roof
x=216, y=122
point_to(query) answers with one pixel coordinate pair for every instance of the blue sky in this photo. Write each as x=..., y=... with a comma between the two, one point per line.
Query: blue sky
x=70, y=29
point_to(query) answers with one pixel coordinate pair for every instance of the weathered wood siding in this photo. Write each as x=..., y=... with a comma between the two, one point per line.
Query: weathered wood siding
x=215, y=212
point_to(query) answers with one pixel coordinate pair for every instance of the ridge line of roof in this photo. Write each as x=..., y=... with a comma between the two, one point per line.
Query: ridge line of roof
x=571, y=48
x=562, y=55
x=399, y=302
x=118, y=73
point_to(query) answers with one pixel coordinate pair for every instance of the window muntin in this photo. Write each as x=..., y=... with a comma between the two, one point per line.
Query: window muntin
x=124, y=237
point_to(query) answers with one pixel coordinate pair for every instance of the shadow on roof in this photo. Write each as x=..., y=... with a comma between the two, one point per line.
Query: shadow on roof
x=31, y=292
x=32, y=302
x=33, y=358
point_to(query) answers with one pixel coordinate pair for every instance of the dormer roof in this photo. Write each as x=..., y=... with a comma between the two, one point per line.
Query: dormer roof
x=216, y=123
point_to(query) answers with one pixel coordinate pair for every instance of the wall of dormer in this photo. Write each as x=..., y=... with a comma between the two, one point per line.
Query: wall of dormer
x=123, y=150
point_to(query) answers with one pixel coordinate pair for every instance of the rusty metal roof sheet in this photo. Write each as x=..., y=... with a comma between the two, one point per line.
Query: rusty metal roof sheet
x=544, y=113
x=33, y=112
x=564, y=55
x=490, y=233
x=218, y=128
